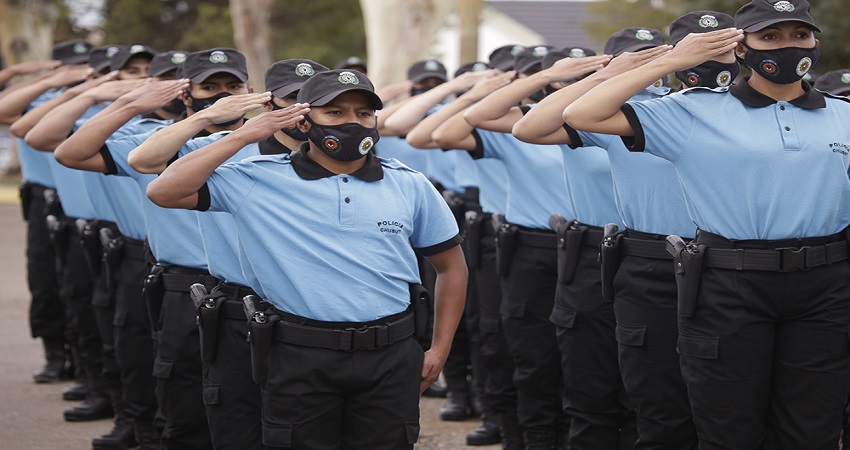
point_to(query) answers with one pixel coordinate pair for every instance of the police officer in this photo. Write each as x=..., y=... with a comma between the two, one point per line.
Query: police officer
x=764, y=315
x=836, y=82
x=366, y=397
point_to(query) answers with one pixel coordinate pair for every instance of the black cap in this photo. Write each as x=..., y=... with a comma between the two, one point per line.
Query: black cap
x=759, y=14
x=531, y=57
x=503, y=57
x=699, y=22
x=201, y=65
x=165, y=62
x=128, y=52
x=351, y=61
x=633, y=39
x=427, y=69
x=100, y=57
x=567, y=52
x=836, y=82
x=287, y=76
x=323, y=87
x=476, y=66
x=71, y=52
x=812, y=77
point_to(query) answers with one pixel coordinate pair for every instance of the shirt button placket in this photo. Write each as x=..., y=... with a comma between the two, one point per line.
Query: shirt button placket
x=346, y=204
x=785, y=117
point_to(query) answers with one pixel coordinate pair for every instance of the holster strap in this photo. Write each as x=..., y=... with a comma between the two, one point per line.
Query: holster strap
x=349, y=339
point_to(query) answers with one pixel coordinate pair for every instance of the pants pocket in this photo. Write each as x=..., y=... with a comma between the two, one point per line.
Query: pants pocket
x=563, y=317
x=513, y=310
x=162, y=368
x=412, y=430
x=210, y=394
x=277, y=435
x=633, y=336
x=702, y=347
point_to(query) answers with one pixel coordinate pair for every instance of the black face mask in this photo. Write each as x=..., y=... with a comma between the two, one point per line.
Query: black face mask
x=782, y=65
x=710, y=74
x=175, y=106
x=294, y=132
x=200, y=104
x=346, y=142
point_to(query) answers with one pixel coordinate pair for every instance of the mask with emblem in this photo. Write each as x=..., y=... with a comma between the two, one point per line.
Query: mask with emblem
x=345, y=142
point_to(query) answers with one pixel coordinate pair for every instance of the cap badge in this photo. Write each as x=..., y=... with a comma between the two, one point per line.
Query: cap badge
x=708, y=21
x=539, y=52
x=644, y=35
x=432, y=66
x=304, y=70
x=80, y=48
x=331, y=143
x=516, y=49
x=658, y=83
x=137, y=49
x=478, y=67
x=353, y=60
x=348, y=78
x=804, y=65
x=366, y=145
x=178, y=58
x=783, y=6
x=724, y=78
x=111, y=51
x=845, y=78
x=577, y=53
x=218, y=56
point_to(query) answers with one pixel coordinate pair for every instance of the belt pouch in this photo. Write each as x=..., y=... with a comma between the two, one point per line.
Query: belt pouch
x=113, y=252
x=26, y=200
x=688, y=281
x=421, y=300
x=610, y=257
x=90, y=240
x=569, y=247
x=208, y=316
x=261, y=338
x=472, y=239
x=57, y=228
x=153, y=290
x=505, y=243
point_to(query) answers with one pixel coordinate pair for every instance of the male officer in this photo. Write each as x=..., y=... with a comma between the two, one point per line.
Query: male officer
x=354, y=219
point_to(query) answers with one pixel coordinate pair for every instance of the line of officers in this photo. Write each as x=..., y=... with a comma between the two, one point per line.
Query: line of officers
x=622, y=331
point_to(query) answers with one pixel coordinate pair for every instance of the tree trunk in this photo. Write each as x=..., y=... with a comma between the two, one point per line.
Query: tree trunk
x=469, y=12
x=399, y=33
x=251, y=32
x=26, y=30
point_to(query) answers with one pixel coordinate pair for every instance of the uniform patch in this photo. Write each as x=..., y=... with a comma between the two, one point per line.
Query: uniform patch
x=479, y=67
x=331, y=143
x=218, y=57
x=842, y=149
x=539, y=52
x=658, y=83
x=708, y=21
x=111, y=51
x=804, y=65
x=692, y=80
x=845, y=78
x=577, y=53
x=80, y=48
x=137, y=49
x=178, y=58
x=783, y=6
x=366, y=145
x=304, y=70
x=516, y=49
x=432, y=66
x=644, y=35
x=390, y=226
x=348, y=78
x=724, y=78
x=769, y=67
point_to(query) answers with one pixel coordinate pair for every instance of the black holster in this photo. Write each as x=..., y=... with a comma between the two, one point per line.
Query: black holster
x=505, y=244
x=208, y=316
x=457, y=205
x=153, y=290
x=113, y=252
x=570, y=237
x=687, y=262
x=57, y=228
x=609, y=258
x=420, y=302
x=90, y=240
x=472, y=238
x=261, y=338
x=25, y=192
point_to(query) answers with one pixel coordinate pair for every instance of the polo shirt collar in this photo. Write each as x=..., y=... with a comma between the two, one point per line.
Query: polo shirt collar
x=811, y=98
x=308, y=169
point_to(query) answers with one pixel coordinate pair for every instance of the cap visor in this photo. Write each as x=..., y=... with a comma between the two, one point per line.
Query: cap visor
x=101, y=67
x=201, y=77
x=635, y=48
x=425, y=76
x=325, y=99
x=76, y=60
x=529, y=66
x=766, y=23
x=282, y=92
x=161, y=71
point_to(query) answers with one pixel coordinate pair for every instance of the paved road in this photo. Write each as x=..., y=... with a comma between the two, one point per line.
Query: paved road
x=31, y=415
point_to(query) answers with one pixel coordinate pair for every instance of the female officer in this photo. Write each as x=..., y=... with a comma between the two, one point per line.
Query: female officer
x=763, y=339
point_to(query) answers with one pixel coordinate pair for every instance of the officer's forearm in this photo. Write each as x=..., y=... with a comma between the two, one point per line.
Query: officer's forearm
x=411, y=113
x=82, y=149
x=153, y=155
x=56, y=122
x=449, y=298
x=421, y=136
x=15, y=103
x=455, y=133
x=501, y=102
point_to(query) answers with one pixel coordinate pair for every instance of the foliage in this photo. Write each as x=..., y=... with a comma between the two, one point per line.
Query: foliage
x=325, y=31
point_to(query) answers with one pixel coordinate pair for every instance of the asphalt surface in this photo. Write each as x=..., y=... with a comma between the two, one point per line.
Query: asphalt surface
x=31, y=414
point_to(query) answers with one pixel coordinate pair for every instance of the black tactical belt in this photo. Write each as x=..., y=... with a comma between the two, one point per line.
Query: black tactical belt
x=349, y=339
x=235, y=291
x=540, y=239
x=645, y=248
x=592, y=236
x=233, y=309
x=134, y=249
x=178, y=279
x=778, y=260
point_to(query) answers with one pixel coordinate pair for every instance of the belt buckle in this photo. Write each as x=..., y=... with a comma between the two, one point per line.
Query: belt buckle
x=792, y=259
x=363, y=338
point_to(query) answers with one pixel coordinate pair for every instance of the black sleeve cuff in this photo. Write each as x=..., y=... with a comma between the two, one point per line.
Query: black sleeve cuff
x=111, y=168
x=478, y=153
x=575, y=139
x=524, y=109
x=203, y=198
x=441, y=247
x=636, y=143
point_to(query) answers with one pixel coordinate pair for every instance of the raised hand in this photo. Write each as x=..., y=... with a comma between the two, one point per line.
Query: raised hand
x=571, y=68
x=153, y=95
x=67, y=75
x=697, y=48
x=632, y=60
x=234, y=107
x=267, y=123
x=106, y=88
x=489, y=85
x=28, y=67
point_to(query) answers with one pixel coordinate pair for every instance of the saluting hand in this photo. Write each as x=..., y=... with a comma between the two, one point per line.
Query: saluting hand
x=489, y=85
x=234, y=107
x=697, y=48
x=389, y=92
x=153, y=95
x=570, y=68
x=33, y=66
x=66, y=75
x=106, y=88
x=268, y=123
x=632, y=60
x=468, y=79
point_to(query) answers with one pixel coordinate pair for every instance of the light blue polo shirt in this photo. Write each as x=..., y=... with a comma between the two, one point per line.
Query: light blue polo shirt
x=590, y=186
x=332, y=247
x=536, y=183
x=492, y=185
x=174, y=235
x=751, y=167
x=35, y=165
x=466, y=172
x=442, y=169
x=398, y=148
